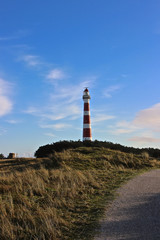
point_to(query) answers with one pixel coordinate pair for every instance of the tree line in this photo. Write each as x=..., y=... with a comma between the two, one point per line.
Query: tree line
x=46, y=150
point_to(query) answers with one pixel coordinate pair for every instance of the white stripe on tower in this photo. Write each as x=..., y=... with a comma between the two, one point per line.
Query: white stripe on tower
x=86, y=117
x=86, y=113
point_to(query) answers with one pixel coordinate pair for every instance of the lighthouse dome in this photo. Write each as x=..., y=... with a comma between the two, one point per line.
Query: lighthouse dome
x=86, y=90
x=86, y=94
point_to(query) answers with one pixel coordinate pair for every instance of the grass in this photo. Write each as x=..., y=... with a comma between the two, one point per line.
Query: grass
x=63, y=197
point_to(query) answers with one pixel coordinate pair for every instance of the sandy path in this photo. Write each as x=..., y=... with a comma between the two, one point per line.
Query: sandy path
x=135, y=214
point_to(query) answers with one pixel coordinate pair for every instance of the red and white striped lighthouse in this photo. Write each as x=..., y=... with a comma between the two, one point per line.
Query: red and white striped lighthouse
x=87, y=135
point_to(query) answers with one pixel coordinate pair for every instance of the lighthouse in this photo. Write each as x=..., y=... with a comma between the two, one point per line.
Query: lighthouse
x=87, y=135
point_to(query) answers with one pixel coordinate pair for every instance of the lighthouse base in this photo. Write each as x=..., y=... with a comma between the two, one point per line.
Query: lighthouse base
x=87, y=139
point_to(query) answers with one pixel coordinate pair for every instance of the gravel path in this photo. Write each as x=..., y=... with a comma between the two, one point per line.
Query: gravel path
x=135, y=214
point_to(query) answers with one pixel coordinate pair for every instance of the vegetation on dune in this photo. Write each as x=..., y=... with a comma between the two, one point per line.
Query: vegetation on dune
x=65, y=195
x=1, y=156
x=45, y=150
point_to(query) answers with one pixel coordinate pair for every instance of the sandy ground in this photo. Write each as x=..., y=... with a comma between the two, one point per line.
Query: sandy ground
x=135, y=214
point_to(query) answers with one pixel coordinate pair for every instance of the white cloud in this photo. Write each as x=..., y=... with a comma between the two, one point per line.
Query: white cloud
x=2, y=131
x=32, y=110
x=16, y=35
x=66, y=101
x=65, y=104
x=56, y=74
x=57, y=126
x=56, y=112
x=101, y=117
x=7, y=38
x=108, y=91
x=71, y=93
x=5, y=103
x=123, y=124
x=123, y=127
x=122, y=131
x=149, y=118
x=50, y=134
x=144, y=126
x=31, y=60
x=12, y=121
x=62, y=111
x=5, y=87
x=140, y=139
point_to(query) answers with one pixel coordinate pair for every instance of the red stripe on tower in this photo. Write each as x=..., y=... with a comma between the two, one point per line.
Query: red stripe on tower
x=87, y=135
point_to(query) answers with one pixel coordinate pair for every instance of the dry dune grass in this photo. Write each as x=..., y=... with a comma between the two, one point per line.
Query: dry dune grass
x=38, y=204
x=63, y=196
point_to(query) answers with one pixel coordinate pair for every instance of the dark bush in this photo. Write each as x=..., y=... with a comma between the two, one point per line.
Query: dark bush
x=46, y=150
x=1, y=156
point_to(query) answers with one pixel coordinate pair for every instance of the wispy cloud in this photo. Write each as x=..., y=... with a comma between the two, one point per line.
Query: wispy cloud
x=64, y=104
x=143, y=129
x=149, y=118
x=31, y=60
x=57, y=126
x=16, y=35
x=72, y=93
x=2, y=131
x=56, y=112
x=12, y=121
x=123, y=127
x=101, y=117
x=7, y=38
x=56, y=74
x=5, y=87
x=36, y=62
x=122, y=131
x=32, y=110
x=64, y=98
x=110, y=90
x=6, y=104
x=139, y=139
x=50, y=134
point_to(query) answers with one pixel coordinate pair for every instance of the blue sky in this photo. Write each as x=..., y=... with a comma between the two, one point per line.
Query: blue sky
x=50, y=50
